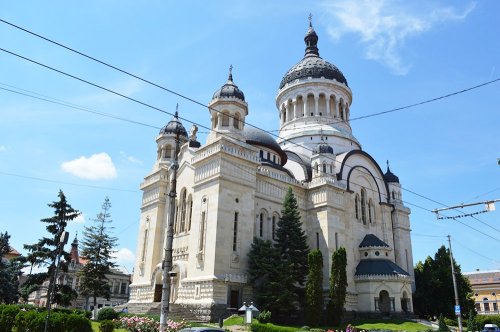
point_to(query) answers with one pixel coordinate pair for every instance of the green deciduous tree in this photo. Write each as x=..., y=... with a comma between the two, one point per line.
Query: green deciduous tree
x=10, y=270
x=314, y=289
x=98, y=249
x=338, y=287
x=434, y=287
x=44, y=252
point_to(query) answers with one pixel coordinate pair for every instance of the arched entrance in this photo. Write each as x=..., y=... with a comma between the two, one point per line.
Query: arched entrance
x=405, y=303
x=157, y=285
x=384, y=302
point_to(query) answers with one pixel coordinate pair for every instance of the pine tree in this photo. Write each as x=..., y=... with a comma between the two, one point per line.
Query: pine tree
x=338, y=287
x=9, y=272
x=97, y=249
x=314, y=289
x=261, y=264
x=44, y=252
x=291, y=267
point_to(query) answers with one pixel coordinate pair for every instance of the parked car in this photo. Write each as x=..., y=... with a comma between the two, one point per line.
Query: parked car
x=490, y=328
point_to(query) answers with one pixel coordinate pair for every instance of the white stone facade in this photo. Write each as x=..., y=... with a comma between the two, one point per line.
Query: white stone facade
x=231, y=189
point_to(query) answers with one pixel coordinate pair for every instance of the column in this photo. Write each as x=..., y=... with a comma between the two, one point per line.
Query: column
x=294, y=106
x=219, y=120
x=305, y=106
x=327, y=100
x=316, y=108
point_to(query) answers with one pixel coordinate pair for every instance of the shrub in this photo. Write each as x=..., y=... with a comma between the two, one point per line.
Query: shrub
x=442, y=327
x=78, y=323
x=107, y=314
x=30, y=321
x=258, y=327
x=107, y=326
x=450, y=322
x=7, y=317
x=264, y=317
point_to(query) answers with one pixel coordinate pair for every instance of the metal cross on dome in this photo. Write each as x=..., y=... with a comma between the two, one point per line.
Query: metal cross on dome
x=310, y=19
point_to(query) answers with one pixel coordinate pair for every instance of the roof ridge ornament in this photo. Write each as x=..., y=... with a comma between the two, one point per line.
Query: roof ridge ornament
x=230, y=77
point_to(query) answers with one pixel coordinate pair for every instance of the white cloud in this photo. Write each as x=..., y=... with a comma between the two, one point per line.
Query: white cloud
x=383, y=26
x=96, y=167
x=124, y=259
x=79, y=220
x=131, y=159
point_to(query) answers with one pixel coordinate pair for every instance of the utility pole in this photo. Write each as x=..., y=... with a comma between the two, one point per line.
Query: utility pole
x=167, y=261
x=457, y=302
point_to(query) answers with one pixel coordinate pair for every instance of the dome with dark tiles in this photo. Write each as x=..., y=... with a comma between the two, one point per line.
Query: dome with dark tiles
x=322, y=148
x=174, y=126
x=389, y=176
x=312, y=65
x=259, y=137
x=229, y=90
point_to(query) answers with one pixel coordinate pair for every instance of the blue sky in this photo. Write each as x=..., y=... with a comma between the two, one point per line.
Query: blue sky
x=393, y=54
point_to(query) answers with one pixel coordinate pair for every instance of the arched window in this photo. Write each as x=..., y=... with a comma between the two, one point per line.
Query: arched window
x=183, y=211
x=190, y=215
x=273, y=227
x=486, y=304
x=393, y=194
x=261, y=224
x=225, y=119
x=236, y=121
x=235, y=231
x=331, y=168
x=215, y=121
x=261, y=154
x=363, y=206
x=341, y=111
x=316, y=168
x=168, y=152
x=356, y=206
x=370, y=210
x=324, y=168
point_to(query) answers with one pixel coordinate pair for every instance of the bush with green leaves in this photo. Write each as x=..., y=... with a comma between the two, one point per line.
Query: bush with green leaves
x=107, y=314
x=7, y=317
x=259, y=327
x=442, y=327
x=264, y=317
x=107, y=326
x=78, y=323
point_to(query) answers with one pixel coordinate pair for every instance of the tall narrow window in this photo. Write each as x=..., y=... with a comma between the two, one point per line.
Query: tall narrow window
x=168, y=152
x=225, y=119
x=324, y=168
x=236, y=121
x=202, y=232
x=336, y=241
x=235, y=230
x=274, y=227
x=144, y=245
x=317, y=240
x=356, y=206
x=370, y=212
x=363, y=206
x=190, y=212
x=261, y=224
x=183, y=212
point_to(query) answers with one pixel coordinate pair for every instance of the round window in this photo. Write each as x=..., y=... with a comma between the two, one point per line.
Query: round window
x=377, y=253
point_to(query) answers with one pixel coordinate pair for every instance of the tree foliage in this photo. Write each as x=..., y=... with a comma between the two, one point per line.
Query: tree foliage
x=97, y=249
x=434, y=287
x=44, y=252
x=338, y=286
x=10, y=270
x=278, y=270
x=314, y=289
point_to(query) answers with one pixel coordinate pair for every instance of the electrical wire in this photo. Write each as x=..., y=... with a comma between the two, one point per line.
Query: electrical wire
x=67, y=183
x=192, y=100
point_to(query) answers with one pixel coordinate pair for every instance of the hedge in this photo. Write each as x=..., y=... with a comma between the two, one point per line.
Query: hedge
x=8, y=315
x=259, y=327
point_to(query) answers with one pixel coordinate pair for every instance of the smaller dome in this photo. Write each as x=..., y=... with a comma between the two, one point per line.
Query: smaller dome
x=322, y=148
x=229, y=90
x=174, y=126
x=259, y=137
x=389, y=176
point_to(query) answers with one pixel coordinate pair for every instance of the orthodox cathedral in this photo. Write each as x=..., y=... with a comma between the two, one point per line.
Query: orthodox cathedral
x=231, y=188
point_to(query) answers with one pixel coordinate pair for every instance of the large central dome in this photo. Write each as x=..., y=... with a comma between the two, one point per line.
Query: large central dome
x=312, y=65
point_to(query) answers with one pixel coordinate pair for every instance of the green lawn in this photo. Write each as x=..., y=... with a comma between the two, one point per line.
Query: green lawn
x=393, y=324
x=95, y=327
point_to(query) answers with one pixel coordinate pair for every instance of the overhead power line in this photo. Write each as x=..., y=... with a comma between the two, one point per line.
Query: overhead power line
x=199, y=103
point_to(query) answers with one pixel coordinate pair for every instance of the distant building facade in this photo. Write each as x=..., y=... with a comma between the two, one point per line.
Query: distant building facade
x=231, y=189
x=118, y=283
x=486, y=290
